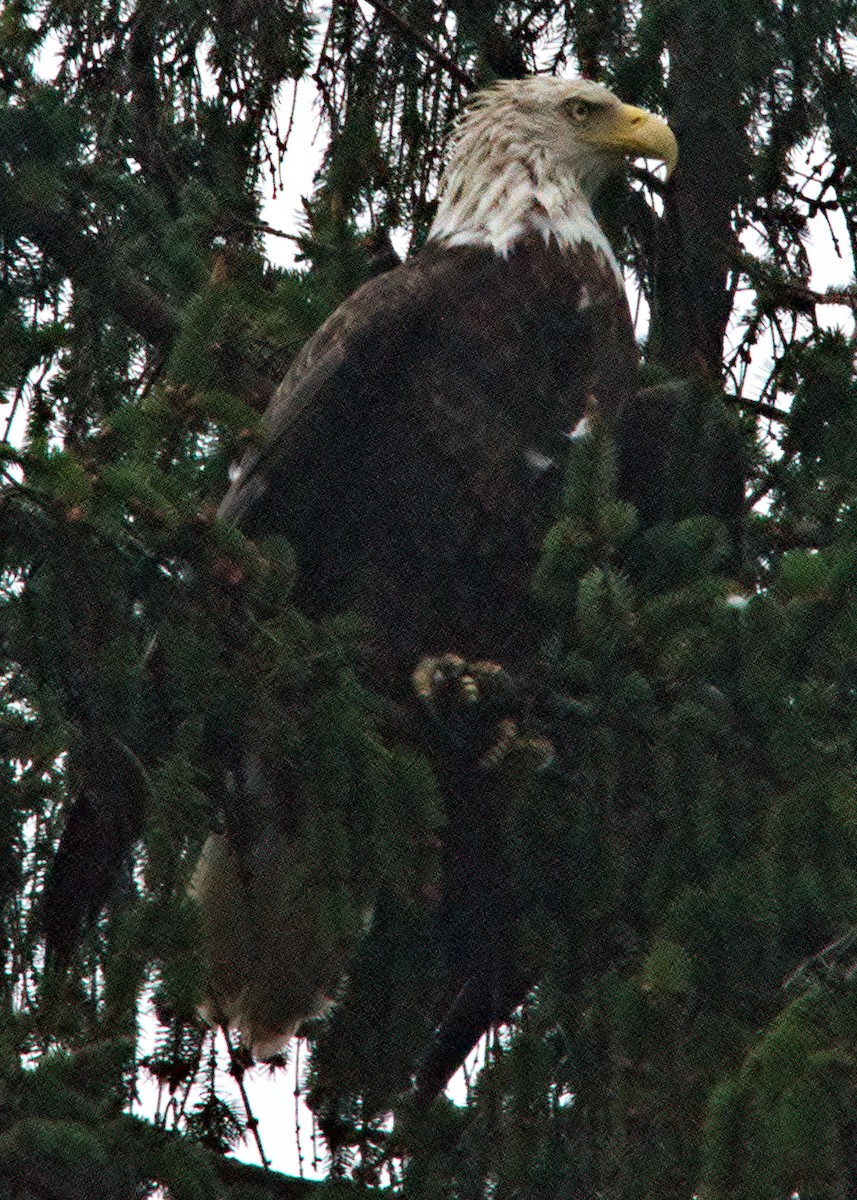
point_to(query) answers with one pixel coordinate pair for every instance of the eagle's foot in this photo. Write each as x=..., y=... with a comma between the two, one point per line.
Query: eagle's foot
x=447, y=681
x=472, y=702
x=531, y=751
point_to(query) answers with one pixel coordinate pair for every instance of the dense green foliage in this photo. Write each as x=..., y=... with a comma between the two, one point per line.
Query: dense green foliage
x=689, y=861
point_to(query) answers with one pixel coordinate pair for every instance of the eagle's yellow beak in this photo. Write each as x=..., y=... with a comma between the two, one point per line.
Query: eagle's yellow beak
x=637, y=134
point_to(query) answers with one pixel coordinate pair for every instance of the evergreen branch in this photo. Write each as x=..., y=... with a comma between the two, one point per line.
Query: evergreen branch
x=88, y=264
x=236, y=1070
x=224, y=229
x=789, y=293
x=264, y=227
x=147, y=115
x=837, y=296
x=797, y=296
x=761, y=409
x=244, y=1177
x=289, y=1187
x=425, y=43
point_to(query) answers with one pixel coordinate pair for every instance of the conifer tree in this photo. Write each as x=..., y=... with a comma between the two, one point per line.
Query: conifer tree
x=686, y=868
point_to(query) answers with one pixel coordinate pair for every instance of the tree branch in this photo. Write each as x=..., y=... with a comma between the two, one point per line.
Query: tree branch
x=288, y=1187
x=247, y=1179
x=426, y=44
x=145, y=102
x=649, y=178
x=805, y=295
x=761, y=409
x=88, y=264
x=789, y=293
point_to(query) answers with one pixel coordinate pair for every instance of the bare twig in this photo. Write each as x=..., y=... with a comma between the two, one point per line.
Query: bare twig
x=835, y=960
x=298, y=1109
x=649, y=178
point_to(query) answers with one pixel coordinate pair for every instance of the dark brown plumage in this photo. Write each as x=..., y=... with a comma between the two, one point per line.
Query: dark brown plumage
x=408, y=446
x=413, y=457
x=409, y=462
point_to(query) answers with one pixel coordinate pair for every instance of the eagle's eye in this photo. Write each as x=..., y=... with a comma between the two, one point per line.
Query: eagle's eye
x=578, y=110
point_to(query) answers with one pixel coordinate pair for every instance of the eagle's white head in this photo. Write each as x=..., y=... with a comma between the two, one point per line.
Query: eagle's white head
x=528, y=156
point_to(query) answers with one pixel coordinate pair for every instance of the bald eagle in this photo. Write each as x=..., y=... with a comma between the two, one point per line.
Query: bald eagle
x=404, y=459
x=404, y=446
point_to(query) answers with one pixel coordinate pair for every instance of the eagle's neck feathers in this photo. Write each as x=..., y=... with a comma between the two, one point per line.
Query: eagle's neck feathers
x=505, y=181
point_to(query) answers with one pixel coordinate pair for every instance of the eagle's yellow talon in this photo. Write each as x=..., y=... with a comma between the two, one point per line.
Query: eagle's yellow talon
x=450, y=674
x=431, y=673
x=537, y=752
x=507, y=732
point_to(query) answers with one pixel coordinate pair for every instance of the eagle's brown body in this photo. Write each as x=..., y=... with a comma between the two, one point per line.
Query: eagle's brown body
x=413, y=457
x=409, y=448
